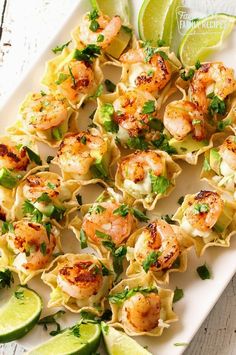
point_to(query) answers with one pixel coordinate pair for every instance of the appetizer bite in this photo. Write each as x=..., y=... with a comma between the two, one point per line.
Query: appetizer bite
x=79, y=282
x=107, y=33
x=74, y=74
x=208, y=219
x=140, y=307
x=47, y=117
x=27, y=247
x=159, y=248
x=131, y=116
x=146, y=177
x=219, y=168
x=45, y=195
x=189, y=133
x=149, y=68
x=87, y=157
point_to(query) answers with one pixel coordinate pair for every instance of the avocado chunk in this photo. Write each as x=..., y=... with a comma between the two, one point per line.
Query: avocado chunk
x=118, y=45
x=7, y=179
x=187, y=145
x=224, y=220
x=215, y=160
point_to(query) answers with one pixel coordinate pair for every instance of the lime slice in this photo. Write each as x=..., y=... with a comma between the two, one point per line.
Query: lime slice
x=153, y=17
x=19, y=314
x=118, y=343
x=170, y=22
x=83, y=342
x=205, y=37
x=112, y=8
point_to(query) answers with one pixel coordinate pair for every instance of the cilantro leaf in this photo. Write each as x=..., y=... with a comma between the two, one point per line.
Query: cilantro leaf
x=160, y=184
x=61, y=78
x=149, y=107
x=122, y=211
x=203, y=272
x=79, y=199
x=43, y=248
x=44, y=198
x=217, y=106
x=110, y=86
x=137, y=143
x=120, y=297
x=52, y=319
x=19, y=295
x=201, y=208
x=150, y=260
x=59, y=49
x=7, y=227
x=6, y=278
x=88, y=53
x=178, y=294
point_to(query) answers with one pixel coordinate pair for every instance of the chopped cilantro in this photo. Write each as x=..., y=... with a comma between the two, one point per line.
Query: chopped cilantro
x=163, y=144
x=149, y=107
x=178, y=294
x=19, y=295
x=33, y=156
x=120, y=297
x=76, y=330
x=217, y=106
x=51, y=185
x=139, y=215
x=122, y=211
x=155, y=124
x=83, y=139
x=221, y=125
x=79, y=199
x=159, y=184
x=99, y=171
x=61, y=78
x=168, y=219
x=187, y=76
x=43, y=93
x=150, y=260
x=93, y=15
x=127, y=29
x=97, y=209
x=203, y=272
x=98, y=92
x=100, y=38
x=94, y=26
x=88, y=53
x=137, y=143
x=198, y=64
x=59, y=49
x=181, y=200
x=44, y=198
x=43, y=248
x=52, y=319
x=83, y=239
x=7, y=227
x=49, y=159
x=6, y=278
x=110, y=86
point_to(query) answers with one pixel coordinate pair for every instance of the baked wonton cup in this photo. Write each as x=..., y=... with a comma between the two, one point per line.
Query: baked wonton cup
x=87, y=157
x=47, y=117
x=146, y=176
x=130, y=116
x=154, y=306
x=79, y=282
x=74, y=78
x=27, y=248
x=219, y=165
x=208, y=219
x=47, y=194
x=159, y=248
x=105, y=225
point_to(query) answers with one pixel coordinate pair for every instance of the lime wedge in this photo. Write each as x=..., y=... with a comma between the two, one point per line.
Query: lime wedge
x=19, y=314
x=157, y=18
x=118, y=343
x=170, y=22
x=205, y=37
x=84, y=341
x=112, y=8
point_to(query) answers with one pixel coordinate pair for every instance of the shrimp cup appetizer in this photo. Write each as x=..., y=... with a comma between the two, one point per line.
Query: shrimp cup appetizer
x=150, y=69
x=159, y=248
x=27, y=247
x=211, y=87
x=107, y=33
x=47, y=117
x=208, y=219
x=219, y=168
x=46, y=195
x=131, y=117
x=146, y=176
x=75, y=74
x=87, y=157
x=79, y=282
x=189, y=133
x=18, y=156
x=106, y=224
x=140, y=307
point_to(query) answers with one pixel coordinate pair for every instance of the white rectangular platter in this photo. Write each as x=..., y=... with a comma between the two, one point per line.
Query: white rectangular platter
x=199, y=296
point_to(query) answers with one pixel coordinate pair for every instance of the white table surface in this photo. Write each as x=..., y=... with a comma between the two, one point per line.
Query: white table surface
x=27, y=25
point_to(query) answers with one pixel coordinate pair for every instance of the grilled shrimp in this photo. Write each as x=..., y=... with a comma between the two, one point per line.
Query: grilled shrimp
x=138, y=165
x=211, y=78
x=31, y=244
x=228, y=154
x=182, y=117
x=103, y=35
x=44, y=111
x=158, y=237
x=36, y=185
x=142, y=311
x=129, y=111
x=78, y=80
x=204, y=210
x=155, y=73
x=12, y=157
x=78, y=151
x=101, y=217
x=81, y=279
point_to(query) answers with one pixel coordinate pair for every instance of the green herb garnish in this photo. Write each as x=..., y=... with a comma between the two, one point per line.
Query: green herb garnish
x=52, y=319
x=110, y=86
x=178, y=294
x=59, y=49
x=6, y=278
x=203, y=272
